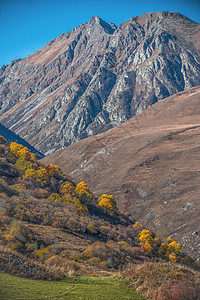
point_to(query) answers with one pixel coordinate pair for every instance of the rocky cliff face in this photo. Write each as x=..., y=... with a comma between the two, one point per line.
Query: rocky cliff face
x=98, y=76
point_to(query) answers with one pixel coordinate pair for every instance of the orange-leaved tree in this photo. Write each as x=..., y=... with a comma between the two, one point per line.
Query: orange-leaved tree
x=146, y=240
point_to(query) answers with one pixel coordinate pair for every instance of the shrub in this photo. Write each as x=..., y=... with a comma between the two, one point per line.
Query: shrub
x=40, y=175
x=17, y=187
x=42, y=254
x=54, y=197
x=71, y=267
x=18, y=151
x=53, y=260
x=180, y=290
x=17, y=236
x=41, y=193
x=30, y=247
x=91, y=229
x=82, y=208
x=57, y=224
x=104, y=264
x=75, y=256
x=94, y=261
x=137, y=227
x=104, y=230
x=88, y=253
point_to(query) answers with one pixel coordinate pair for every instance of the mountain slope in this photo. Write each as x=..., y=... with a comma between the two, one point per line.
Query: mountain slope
x=98, y=76
x=150, y=164
x=12, y=137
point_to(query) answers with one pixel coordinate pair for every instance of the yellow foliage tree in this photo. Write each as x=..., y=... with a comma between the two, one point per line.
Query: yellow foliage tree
x=67, y=188
x=82, y=208
x=172, y=257
x=18, y=151
x=146, y=240
x=84, y=193
x=24, y=153
x=40, y=175
x=137, y=227
x=23, y=165
x=54, y=197
x=108, y=203
x=29, y=173
x=174, y=248
x=53, y=170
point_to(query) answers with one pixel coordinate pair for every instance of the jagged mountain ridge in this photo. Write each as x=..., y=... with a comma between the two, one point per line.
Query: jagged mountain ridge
x=98, y=76
x=151, y=166
x=13, y=137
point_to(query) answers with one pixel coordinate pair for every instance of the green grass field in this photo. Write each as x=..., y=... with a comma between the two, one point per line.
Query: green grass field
x=79, y=287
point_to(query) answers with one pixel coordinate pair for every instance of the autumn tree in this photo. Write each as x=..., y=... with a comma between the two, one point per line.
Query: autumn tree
x=84, y=193
x=54, y=197
x=146, y=240
x=40, y=175
x=53, y=170
x=170, y=250
x=23, y=165
x=174, y=251
x=67, y=188
x=108, y=203
x=18, y=151
x=137, y=228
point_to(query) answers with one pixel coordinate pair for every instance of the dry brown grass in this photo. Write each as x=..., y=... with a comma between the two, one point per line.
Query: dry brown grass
x=162, y=281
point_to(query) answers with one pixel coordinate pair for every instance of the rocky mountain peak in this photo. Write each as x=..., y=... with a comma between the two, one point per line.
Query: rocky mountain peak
x=98, y=76
x=101, y=24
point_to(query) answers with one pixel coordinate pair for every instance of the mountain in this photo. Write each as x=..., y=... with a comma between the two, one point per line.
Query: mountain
x=150, y=164
x=98, y=76
x=13, y=137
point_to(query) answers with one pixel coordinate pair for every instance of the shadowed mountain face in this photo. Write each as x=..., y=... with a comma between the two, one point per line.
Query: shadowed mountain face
x=98, y=76
x=12, y=137
x=151, y=164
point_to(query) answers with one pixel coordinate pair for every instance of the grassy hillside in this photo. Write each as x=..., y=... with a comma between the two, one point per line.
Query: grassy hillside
x=52, y=228
x=80, y=287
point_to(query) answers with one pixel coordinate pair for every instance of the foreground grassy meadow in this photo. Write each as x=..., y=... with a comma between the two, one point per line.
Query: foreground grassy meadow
x=78, y=287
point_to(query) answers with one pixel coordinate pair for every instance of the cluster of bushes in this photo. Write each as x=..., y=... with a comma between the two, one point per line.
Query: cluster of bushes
x=50, y=182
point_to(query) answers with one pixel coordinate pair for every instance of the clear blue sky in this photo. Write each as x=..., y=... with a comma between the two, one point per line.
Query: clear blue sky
x=27, y=25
